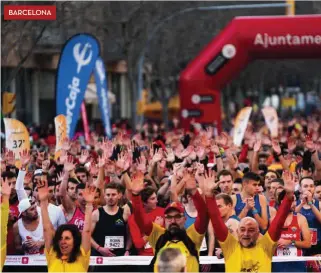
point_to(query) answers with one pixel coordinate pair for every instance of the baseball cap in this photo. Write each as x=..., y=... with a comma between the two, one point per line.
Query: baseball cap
x=175, y=206
x=24, y=204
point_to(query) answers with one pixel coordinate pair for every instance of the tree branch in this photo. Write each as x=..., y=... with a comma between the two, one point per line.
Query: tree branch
x=16, y=70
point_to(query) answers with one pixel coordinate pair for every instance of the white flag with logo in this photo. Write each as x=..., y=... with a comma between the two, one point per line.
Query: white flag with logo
x=241, y=122
x=271, y=120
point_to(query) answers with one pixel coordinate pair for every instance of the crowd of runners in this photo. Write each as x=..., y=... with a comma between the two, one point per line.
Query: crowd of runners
x=175, y=195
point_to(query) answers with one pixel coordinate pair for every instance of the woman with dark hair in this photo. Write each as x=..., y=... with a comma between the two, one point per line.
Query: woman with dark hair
x=67, y=250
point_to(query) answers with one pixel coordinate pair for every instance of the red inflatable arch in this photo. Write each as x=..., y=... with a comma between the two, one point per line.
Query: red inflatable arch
x=245, y=39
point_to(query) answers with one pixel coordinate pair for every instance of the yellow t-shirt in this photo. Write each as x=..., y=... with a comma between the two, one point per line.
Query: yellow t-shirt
x=255, y=259
x=4, y=223
x=58, y=265
x=192, y=263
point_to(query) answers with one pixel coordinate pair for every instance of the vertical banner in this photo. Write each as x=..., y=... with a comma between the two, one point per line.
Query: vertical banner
x=61, y=133
x=76, y=64
x=271, y=120
x=85, y=122
x=241, y=122
x=102, y=93
x=17, y=137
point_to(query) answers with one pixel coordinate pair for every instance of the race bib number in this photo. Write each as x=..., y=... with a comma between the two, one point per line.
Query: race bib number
x=287, y=251
x=114, y=242
x=148, y=246
x=204, y=245
x=314, y=236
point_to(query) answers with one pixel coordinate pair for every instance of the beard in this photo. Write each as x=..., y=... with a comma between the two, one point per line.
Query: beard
x=175, y=231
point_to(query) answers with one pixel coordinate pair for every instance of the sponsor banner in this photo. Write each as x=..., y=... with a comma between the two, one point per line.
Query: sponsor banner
x=29, y=12
x=266, y=40
x=61, y=133
x=271, y=120
x=241, y=122
x=17, y=137
x=102, y=93
x=40, y=260
x=76, y=64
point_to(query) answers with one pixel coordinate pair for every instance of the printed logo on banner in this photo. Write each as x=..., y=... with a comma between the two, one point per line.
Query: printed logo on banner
x=76, y=64
x=102, y=93
x=29, y=12
x=99, y=260
x=25, y=260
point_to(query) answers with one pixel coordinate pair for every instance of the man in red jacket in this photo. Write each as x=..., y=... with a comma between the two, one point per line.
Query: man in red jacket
x=174, y=234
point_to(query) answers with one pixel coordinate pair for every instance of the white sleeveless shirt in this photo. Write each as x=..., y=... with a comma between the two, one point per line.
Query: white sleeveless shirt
x=36, y=235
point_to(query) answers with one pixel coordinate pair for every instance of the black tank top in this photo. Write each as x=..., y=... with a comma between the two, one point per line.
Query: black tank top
x=110, y=230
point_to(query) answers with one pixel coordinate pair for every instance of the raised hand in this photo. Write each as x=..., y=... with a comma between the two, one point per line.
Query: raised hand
x=222, y=140
x=200, y=152
x=190, y=181
x=89, y=193
x=187, y=151
x=63, y=157
x=215, y=149
x=69, y=164
x=257, y=145
x=178, y=168
x=28, y=178
x=208, y=184
x=158, y=156
x=10, y=157
x=84, y=156
x=24, y=158
x=231, y=159
x=60, y=176
x=42, y=186
x=170, y=156
x=137, y=184
x=192, y=155
x=110, y=167
x=205, y=141
x=141, y=164
x=289, y=182
x=107, y=148
x=309, y=144
x=5, y=188
x=101, y=161
x=291, y=145
x=66, y=144
x=276, y=147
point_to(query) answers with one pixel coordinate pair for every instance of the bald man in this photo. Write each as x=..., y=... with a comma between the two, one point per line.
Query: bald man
x=248, y=252
x=171, y=260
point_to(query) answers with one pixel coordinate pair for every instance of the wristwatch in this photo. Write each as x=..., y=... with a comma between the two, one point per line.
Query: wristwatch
x=293, y=242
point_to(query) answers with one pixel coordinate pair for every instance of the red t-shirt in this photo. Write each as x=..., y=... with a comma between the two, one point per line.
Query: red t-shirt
x=144, y=249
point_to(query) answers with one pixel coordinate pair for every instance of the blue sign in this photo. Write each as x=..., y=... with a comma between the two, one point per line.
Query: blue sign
x=76, y=64
x=102, y=93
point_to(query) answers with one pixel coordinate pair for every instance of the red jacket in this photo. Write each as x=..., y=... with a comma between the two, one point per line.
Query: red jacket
x=144, y=249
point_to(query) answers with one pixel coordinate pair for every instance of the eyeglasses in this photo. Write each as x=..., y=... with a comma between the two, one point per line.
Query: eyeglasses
x=175, y=217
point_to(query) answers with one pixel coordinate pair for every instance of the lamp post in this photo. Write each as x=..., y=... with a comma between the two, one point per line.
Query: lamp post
x=180, y=12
